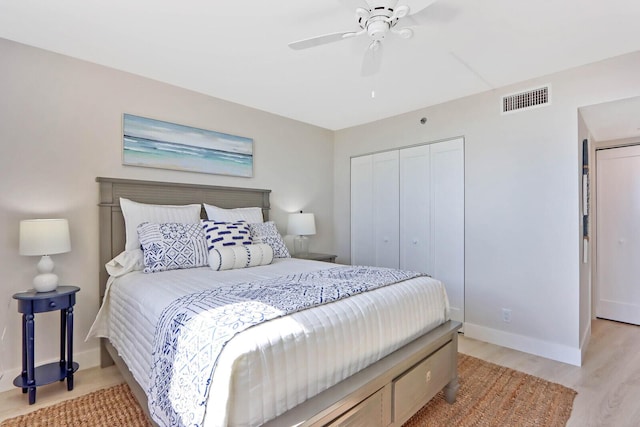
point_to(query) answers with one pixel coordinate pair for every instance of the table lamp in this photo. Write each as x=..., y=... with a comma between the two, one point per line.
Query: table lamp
x=301, y=225
x=44, y=237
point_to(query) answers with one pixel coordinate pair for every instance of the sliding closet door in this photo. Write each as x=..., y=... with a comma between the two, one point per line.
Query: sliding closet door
x=407, y=211
x=386, y=217
x=362, y=248
x=415, y=209
x=447, y=220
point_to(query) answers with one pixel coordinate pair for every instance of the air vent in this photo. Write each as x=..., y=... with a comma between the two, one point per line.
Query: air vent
x=526, y=100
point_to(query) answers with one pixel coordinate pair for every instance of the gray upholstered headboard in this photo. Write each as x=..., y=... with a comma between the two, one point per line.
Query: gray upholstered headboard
x=112, y=231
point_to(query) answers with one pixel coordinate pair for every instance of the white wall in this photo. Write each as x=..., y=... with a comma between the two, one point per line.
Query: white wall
x=60, y=128
x=586, y=267
x=522, y=187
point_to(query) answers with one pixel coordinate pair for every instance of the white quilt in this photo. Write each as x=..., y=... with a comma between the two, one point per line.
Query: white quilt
x=274, y=366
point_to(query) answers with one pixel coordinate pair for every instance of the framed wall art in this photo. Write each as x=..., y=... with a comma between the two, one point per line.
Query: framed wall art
x=158, y=144
x=586, y=196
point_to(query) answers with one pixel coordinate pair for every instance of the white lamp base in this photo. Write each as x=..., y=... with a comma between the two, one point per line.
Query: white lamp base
x=301, y=245
x=46, y=281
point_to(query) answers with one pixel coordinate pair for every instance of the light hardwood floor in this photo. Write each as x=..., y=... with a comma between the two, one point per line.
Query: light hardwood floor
x=608, y=384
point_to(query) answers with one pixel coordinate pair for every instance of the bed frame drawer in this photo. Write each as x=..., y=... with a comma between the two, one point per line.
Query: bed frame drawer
x=413, y=389
x=368, y=413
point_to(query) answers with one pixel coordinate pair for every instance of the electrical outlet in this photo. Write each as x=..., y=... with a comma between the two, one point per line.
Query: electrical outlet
x=506, y=315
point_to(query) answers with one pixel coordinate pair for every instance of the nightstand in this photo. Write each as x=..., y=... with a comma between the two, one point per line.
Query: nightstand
x=317, y=257
x=30, y=303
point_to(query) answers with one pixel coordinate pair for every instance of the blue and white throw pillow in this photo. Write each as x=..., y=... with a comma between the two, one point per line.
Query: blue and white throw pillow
x=267, y=232
x=171, y=246
x=220, y=234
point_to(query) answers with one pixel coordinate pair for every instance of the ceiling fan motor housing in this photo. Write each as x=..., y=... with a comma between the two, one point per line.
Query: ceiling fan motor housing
x=378, y=22
x=377, y=29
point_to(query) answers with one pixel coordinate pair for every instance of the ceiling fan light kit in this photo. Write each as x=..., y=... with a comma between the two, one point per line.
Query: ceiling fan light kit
x=380, y=19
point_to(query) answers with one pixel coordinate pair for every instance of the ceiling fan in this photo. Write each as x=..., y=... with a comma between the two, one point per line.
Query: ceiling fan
x=376, y=19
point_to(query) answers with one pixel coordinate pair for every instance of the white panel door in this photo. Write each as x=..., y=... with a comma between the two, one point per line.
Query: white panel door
x=618, y=240
x=386, y=217
x=362, y=248
x=415, y=209
x=447, y=220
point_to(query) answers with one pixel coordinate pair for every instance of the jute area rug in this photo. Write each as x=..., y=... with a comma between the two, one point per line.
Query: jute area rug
x=489, y=395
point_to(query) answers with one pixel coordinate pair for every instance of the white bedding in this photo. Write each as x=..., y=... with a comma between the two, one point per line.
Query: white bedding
x=276, y=365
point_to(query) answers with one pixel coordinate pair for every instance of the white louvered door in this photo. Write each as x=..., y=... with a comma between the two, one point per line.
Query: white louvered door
x=374, y=210
x=386, y=220
x=447, y=220
x=362, y=248
x=407, y=211
x=415, y=209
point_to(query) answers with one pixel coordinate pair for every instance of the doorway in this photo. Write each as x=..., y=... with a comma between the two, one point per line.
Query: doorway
x=618, y=240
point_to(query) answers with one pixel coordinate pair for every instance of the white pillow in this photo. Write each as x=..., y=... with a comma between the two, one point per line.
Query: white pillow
x=126, y=262
x=232, y=257
x=251, y=215
x=136, y=213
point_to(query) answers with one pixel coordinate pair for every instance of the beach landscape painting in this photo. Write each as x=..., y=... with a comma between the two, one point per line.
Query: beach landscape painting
x=158, y=144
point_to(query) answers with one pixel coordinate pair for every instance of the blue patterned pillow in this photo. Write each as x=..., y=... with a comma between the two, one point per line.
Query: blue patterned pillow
x=170, y=246
x=221, y=234
x=267, y=232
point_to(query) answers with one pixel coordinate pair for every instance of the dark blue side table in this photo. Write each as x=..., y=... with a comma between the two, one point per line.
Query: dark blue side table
x=30, y=303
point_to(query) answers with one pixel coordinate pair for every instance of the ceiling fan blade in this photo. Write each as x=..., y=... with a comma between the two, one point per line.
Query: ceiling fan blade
x=372, y=59
x=320, y=40
x=400, y=12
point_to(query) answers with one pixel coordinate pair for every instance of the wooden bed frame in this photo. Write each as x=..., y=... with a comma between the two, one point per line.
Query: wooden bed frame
x=386, y=393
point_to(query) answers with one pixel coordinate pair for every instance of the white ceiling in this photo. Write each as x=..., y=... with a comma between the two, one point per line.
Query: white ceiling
x=237, y=49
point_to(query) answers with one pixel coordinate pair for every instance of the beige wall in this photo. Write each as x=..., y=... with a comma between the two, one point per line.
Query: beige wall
x=522, y=202
x=60, y=127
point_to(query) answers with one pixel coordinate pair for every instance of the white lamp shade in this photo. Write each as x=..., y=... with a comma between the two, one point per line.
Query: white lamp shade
x=301, y=224
x=44, y=236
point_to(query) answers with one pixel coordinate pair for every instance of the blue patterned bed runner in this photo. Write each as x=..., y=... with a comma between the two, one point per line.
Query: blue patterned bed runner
x=194, y=329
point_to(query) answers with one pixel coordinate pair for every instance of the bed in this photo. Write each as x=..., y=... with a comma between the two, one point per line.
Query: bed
x=385, y=387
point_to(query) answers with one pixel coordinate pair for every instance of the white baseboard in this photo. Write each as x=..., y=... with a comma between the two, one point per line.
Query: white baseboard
x=549, y=350
x=86, y=359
